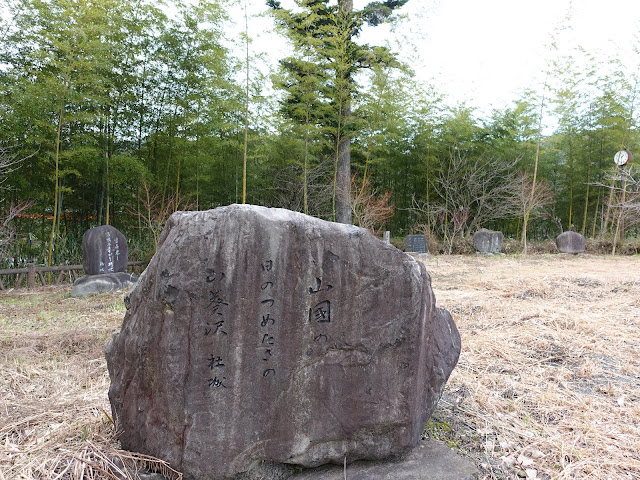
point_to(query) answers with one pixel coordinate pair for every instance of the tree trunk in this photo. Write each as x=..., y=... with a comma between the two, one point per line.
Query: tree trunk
x=343, y=155
x=343, y=181
x=619, y=232
x=56, y=213
x=570, y=226
x=596, y=214
x=246, y=107
x=527, y=211
x=586, y=201
x=305, y=188
x=108, y=193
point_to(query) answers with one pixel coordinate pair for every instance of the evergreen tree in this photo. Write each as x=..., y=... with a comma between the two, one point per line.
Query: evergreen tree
x=324, y=34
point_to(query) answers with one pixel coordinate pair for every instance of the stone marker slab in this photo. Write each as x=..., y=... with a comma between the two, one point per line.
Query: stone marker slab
x=415, y=243
x=104, y=283
x=430, y=460
x=266, y=337
x=570, y=242
x=104, y=250
x=488, y=241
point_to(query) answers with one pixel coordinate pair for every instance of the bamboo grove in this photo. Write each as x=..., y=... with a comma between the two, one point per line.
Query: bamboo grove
x=119, y=112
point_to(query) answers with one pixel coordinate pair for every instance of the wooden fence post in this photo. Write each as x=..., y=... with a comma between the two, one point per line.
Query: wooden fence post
x=31, y=275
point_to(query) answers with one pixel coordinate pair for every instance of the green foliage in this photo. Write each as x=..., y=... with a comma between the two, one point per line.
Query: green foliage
x=440, y=430
x=320, y=80
x=107, y=98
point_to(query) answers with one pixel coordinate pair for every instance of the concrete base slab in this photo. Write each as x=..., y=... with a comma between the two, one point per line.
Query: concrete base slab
x=418, y=256
x=102, y=283
x=430, y=460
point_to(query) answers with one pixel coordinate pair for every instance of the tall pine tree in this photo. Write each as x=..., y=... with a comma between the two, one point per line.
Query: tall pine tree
x=323, y=35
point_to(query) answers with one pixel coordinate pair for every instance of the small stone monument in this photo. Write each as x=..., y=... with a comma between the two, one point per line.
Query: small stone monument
x=260, y=338
x=104, y=250
x=488, y=241
x=415, y=244
x=570, y=242
x=104, y=259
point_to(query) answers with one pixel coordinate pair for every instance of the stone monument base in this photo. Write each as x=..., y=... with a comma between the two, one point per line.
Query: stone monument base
x=102, y=283
x=429, y=460
x=418, y=256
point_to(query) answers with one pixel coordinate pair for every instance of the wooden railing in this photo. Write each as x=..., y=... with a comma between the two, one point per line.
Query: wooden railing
x=34, y=272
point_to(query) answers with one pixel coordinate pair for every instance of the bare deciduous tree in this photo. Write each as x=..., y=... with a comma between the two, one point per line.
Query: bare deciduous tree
x=624, y=200
x=369, y=210
x=472, y=193
x=154, y=211
x=7, y=227
x=300, y=185
x=532, y=201
x=9, y=162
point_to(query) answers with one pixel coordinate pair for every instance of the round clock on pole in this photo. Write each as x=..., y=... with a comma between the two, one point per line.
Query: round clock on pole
x=622, y=157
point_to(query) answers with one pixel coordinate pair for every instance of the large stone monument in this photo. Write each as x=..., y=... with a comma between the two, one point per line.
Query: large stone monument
x=262, y=338
x=488, y=241
x=570, y=242
x=104, y=259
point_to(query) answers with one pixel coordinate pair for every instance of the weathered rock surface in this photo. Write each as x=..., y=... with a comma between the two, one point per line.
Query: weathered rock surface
x=104, y=283
x=104, y=250
x=570, y=242
x=488, y=241
x=430, y=460
x=262, y=337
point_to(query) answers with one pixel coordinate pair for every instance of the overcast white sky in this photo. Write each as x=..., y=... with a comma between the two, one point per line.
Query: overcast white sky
x=486, y=52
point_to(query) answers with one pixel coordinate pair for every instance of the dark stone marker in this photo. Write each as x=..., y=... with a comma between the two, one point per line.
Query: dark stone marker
x=104, y=250
x=415, y=243
x=570, y=242
x=488, y=241
x=262, y=337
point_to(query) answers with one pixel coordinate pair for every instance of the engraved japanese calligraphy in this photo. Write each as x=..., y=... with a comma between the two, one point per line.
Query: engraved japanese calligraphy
x=267, y=303
x=104, y=259
x=214, y=327
x=261, y=336
x=104, y=250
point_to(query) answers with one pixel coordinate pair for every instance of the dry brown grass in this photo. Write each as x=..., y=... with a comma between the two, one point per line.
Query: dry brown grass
x=548, y=383
x=54, y=412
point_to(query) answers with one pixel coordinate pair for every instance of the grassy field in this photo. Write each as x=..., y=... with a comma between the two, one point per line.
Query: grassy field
x=548, y=382
x=547, y=386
